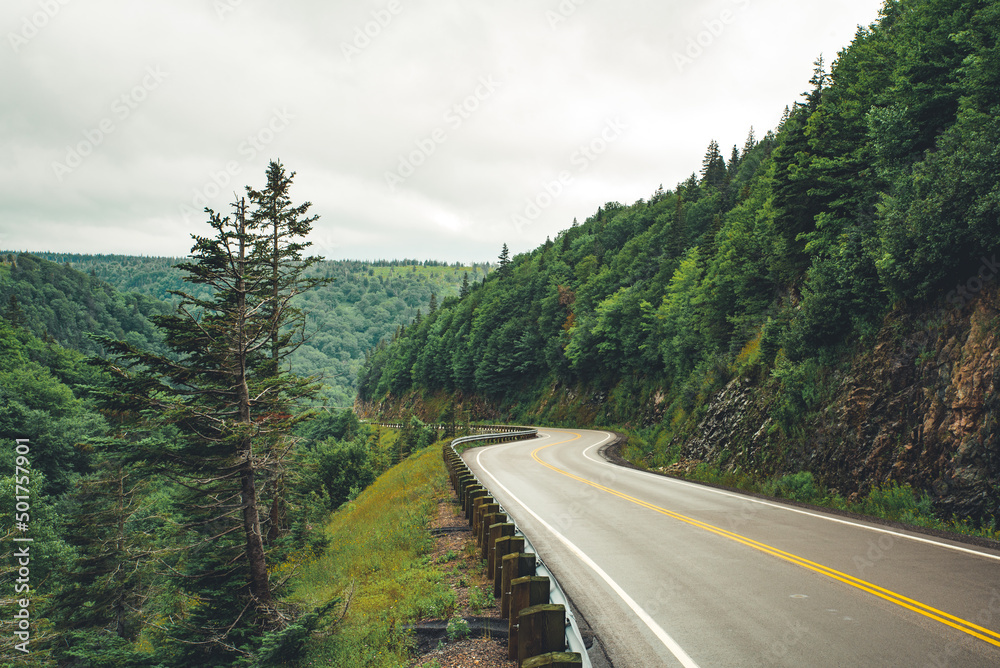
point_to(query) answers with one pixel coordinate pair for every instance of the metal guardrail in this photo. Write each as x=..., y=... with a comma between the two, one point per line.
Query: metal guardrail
x=439, y=427
x=574, y=639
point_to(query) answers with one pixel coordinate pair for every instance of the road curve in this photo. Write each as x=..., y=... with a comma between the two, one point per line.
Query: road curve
x=671, y=573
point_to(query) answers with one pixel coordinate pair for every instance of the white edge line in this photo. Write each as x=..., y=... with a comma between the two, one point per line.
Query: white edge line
x=753, y=499
x=657, y=630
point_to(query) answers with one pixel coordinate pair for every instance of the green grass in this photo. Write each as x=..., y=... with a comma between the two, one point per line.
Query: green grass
x=893, y=502
x=376, y=563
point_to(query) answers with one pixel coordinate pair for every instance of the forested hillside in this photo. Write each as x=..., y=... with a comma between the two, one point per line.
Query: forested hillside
x=67, y=295
x=162, y=491
x=864, y=223
x=58, y=303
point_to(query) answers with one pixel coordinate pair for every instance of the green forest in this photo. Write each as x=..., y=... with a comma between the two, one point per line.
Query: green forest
x=68, y=296
x=875, y=197
x=168, y=459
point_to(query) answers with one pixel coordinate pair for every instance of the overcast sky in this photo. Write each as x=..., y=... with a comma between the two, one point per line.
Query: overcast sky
x=418, y=128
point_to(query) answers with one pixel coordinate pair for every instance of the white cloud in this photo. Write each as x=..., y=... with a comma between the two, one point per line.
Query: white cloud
x=353, y=116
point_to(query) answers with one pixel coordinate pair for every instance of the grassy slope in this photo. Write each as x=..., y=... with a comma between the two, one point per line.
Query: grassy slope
x=377, y=558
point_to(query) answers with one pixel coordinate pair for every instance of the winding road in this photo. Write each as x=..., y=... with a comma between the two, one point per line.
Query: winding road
x=671, y=573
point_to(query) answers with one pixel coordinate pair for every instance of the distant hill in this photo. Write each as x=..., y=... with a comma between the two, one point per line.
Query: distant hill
x=58, y=302
x=365, y=303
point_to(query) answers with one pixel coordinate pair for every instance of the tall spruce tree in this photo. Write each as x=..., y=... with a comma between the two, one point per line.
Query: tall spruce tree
x=713, y=166
x=504, y=270
x=229, y=403
x=283, y=226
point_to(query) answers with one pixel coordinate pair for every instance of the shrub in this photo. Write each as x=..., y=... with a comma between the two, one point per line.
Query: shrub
x=899, y=503
x=457, y=628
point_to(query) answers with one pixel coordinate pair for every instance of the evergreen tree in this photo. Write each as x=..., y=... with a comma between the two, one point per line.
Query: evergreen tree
x=713, y=166
x=749, y=144
x=504, y=269
x=785, y=115
x=734, y=163
x=818, y=81
x=14, y=313
x=285, y=227
x=230, y=406
x=113, y=543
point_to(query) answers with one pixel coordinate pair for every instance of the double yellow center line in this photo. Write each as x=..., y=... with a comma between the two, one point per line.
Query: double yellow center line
x=962, y=625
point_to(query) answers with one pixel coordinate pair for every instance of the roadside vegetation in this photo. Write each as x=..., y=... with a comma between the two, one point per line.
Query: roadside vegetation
x=892, y=502
x=376, y=570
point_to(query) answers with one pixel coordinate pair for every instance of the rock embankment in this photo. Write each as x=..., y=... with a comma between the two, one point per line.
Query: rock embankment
x=921, y=408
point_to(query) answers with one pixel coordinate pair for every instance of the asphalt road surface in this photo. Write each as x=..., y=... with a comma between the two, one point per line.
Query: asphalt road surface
x=671, y=573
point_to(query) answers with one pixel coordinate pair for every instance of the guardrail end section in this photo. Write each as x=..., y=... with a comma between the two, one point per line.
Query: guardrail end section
x=555, y=660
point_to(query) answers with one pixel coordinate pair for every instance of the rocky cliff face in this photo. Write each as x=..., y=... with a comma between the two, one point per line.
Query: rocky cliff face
x=920, y=408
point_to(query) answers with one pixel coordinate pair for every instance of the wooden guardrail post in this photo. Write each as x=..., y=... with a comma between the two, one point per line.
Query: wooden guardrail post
x=515, y=565
x=505, y=545
x=541, y=629
x=465, y=480
x=477, y=509
x=477, y=501
x=486, y=508
x=470, y=496
x=489, y=519
x=525, y=592
x=499, y=529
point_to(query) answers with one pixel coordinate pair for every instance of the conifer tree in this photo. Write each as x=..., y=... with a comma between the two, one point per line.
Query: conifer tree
x=285, y=228
x=734, y=162
x=14, y=313
x=229, y=404
x=504, y=269
x=749, y=144
x=713, y=166
x=112, y=556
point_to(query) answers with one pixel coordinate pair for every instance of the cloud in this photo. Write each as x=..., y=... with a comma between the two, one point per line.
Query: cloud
x=359, y=86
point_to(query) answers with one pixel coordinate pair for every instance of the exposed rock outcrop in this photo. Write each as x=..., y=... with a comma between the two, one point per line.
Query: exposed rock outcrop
x=920, y=408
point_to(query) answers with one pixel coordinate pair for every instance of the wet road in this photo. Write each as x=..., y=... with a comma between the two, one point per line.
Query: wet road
x=671, y=573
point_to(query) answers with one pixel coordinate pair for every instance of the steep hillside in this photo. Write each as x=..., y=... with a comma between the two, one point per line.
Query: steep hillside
x=920, y=407
x=58, y=302
x=820, y=300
